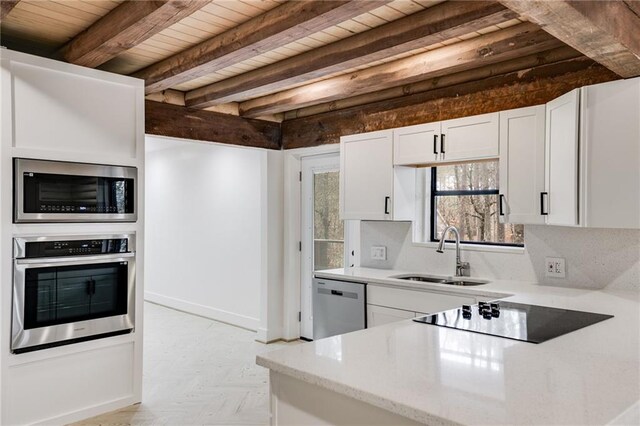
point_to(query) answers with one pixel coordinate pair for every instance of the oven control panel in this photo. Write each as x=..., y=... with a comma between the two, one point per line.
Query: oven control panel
x=35, y=249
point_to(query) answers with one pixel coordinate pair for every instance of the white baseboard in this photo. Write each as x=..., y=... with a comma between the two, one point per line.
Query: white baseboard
x=87, y=413
x=264, y=335
x=204, y=311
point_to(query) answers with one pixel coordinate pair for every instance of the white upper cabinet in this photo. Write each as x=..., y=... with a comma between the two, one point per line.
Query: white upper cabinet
x=366, y=176
x=560, y=199
x=70, y=112
x=593, y=156
x=371, y=188
x=416, y=144
x=522, y=165
x=469, y=138
x=610, y=154
x=572, y=162
x=460, y=139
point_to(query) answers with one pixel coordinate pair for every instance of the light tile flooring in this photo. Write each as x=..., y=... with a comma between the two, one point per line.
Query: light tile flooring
x=197, y=372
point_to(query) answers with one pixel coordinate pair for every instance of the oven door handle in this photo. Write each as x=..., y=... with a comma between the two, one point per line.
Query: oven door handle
x=76, y=260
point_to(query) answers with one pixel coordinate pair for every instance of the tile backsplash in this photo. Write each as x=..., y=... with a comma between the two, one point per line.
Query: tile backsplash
x=595, y=258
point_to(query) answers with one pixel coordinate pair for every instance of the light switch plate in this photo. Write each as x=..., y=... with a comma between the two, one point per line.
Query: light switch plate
x=378, y=253
x=555, y=267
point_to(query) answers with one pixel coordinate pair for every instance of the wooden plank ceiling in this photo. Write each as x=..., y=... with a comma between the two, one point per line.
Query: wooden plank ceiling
x=291, y=60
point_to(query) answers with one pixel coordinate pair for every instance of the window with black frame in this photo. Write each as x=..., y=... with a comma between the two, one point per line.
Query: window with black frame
x=466, y=195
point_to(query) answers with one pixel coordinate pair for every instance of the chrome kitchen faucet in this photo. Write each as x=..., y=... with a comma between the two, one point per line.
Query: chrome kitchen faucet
x=463, y=269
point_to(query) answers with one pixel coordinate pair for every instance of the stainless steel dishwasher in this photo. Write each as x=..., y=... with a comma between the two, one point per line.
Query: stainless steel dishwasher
x=338, y=307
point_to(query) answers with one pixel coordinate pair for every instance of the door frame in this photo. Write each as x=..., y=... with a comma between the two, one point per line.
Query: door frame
x=321, y=163
x=292, y=234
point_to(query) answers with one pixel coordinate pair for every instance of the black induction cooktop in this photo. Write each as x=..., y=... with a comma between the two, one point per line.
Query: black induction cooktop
x=528, y=323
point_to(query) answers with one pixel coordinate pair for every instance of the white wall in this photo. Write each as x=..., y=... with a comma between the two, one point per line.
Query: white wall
x=204, y=227
x=595, y=258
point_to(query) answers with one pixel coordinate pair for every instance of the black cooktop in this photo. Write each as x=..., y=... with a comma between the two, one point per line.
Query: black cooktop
x=528, y=323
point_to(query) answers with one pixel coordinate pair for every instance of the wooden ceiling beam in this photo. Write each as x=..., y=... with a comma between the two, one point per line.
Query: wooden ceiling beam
x=7, y=6
x=433, y=25
x=509, y=43
x=534, y=86
x=606, y=31
x=275, y=28
x=126, y=26
x=176, y=121
x=395, y=93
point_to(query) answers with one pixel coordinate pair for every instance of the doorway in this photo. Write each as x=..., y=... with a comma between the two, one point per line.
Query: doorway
x=324, y=236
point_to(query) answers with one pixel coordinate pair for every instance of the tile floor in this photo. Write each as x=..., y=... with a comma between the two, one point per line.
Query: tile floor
x=196, y=372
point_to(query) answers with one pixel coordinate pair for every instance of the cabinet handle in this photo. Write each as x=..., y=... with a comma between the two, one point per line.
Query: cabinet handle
x=386, y=205
x=442, y=143
x=501, y=200
x=542, y=197
x=435, y=144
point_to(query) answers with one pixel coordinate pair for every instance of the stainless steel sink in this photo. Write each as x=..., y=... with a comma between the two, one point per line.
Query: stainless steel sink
x=463, y=281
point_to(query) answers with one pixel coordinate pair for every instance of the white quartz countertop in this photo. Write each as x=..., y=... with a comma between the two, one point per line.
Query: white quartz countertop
x=437, y=375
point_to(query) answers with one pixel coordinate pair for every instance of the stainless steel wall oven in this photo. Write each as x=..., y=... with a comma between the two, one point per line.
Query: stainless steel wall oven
x=55, y=191
x=71, y=289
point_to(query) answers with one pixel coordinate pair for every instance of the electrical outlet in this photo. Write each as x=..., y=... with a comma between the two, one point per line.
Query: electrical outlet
x=555, y=267
x=378, y=253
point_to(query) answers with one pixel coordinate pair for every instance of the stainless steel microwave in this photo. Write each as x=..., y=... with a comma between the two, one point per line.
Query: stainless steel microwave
x=55, y=191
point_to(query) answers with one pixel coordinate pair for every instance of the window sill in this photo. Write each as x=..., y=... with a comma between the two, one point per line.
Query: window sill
x=475, y=247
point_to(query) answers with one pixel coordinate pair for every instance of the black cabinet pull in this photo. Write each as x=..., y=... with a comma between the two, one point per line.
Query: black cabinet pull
x=91, y=287
x=435, y=144
x=336, y=293
x=386, y=205
x=442, y=143
x=542, y=197
x=501, y=200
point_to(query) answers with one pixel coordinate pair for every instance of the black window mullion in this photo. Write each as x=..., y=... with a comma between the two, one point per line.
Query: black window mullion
x=467, y=192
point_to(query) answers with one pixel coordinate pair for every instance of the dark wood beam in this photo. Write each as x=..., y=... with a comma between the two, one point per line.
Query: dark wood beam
x=606, y=31
x=534, y=86
x=433, y=25
x=509, y=43
x=522, y=63
x=634, y=5
x=275, y=28
x=126, y=26
x=7, y=6
x=176, y=121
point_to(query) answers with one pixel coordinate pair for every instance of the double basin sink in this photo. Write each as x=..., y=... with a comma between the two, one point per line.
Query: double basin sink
x=462, y=281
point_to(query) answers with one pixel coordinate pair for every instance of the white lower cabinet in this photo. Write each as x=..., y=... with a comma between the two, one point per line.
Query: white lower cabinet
x=390, y=304
x=380, y=315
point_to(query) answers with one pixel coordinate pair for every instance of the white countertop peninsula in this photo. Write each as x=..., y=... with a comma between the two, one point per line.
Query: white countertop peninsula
x=437, y=375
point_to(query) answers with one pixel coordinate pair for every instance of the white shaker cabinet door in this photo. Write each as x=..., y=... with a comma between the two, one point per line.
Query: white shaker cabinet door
x=562, y=142
x=470, y=138
x=522, y=165
x=380, y=315
x=416, y=144
x=63, y=108
x=610, y=144
x=366, y=176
